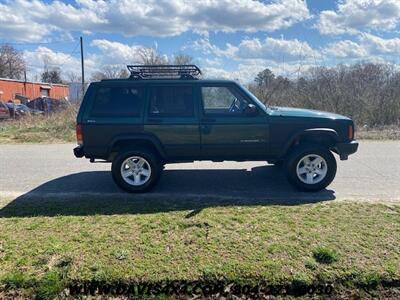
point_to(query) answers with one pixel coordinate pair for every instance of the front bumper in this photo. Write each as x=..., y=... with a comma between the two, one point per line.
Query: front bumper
x=78, y=152
x=345, y=149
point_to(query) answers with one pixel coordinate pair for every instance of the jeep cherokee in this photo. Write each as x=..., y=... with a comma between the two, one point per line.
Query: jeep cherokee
x=166, y=114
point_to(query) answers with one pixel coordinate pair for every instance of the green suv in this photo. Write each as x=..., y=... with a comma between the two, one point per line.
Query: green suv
x=164, y=114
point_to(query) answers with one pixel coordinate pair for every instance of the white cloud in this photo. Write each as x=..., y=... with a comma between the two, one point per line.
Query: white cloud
x=377, y=45
x=354, y=16
x=368, y=47
x=36, y=60
x=246, y=72
x=213, y=61
x=275, y=49
x=25, y=20
x=110, y=53
x=15, y=27
x=251, y=16
x=115, y=52
x=345, y=49
x=269, y=49
x=33, y=20
x=206, y=47
x=243, y=73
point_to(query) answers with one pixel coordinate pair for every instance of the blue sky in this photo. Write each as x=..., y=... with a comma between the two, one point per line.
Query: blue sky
x=228, y=38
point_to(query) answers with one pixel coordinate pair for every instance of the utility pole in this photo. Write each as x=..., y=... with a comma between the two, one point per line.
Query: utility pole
x=83, y=68
x=25, y=80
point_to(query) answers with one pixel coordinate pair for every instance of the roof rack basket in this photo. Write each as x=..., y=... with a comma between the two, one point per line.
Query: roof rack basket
x=164, y=71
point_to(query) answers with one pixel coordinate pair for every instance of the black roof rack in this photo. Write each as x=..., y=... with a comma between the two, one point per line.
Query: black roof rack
x=164, y=71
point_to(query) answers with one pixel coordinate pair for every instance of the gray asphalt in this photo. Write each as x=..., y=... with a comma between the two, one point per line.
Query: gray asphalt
x=373, y=174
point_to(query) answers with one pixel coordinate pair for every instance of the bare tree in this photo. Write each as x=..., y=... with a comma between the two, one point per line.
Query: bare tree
x=182, y=59
x=73, y=77
x=52, y=75
x=12, y=64
x=110, y=72
x=151, y=56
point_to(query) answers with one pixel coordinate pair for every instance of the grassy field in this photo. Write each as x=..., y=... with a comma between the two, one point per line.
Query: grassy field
x=47, y=244
x=56, y=128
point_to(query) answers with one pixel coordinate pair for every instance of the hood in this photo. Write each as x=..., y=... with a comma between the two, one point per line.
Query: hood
x=303, y=113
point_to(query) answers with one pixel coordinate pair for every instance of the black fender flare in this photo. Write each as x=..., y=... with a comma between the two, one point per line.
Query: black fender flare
x=139, y=137
x=311, y=132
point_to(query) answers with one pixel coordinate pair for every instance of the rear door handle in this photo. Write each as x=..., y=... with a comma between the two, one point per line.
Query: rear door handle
x=155, y=120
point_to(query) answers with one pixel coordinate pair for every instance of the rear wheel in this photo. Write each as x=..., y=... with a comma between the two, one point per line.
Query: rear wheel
x=311, y=167
x=136, y=170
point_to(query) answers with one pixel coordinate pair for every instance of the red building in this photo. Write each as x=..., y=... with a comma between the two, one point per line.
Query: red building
x=9, y=88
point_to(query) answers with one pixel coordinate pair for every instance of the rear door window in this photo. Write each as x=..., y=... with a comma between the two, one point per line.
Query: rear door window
x=171, y=101
x=118, y=101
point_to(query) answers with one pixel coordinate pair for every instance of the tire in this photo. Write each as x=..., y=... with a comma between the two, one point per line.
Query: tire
x=310, y=167
x=140, y=167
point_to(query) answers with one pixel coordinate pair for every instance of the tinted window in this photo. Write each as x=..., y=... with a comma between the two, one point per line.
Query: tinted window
x=118, y=101
x=221, y=101
x=171, y=101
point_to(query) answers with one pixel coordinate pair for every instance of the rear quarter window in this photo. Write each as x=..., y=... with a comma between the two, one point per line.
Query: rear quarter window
x=118, y=101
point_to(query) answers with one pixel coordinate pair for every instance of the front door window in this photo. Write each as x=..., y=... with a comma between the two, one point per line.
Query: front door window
x=219, y=100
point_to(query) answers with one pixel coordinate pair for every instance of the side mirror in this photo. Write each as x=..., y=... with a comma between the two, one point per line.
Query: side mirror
x=251, y=110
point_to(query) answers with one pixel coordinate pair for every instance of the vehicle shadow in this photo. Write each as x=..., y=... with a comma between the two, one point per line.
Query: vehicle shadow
x=91, y=193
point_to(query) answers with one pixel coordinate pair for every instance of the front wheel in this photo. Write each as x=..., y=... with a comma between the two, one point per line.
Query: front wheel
x=136, y=171
x=311, y=168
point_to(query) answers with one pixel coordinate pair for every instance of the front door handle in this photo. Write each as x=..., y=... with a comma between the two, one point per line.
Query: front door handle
x=205, y=129
x=208, y=120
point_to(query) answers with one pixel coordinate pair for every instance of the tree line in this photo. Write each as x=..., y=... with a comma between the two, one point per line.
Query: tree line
x=369, y=93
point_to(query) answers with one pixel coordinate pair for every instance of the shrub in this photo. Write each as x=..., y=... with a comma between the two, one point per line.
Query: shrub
x=325, y=255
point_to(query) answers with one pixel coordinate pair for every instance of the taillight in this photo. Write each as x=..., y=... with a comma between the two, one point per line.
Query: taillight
x=79, y=135
x=351, y=132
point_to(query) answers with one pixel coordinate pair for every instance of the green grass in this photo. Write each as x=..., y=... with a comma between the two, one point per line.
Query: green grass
x=56, y=128
x=47, y=243
x=325, y=255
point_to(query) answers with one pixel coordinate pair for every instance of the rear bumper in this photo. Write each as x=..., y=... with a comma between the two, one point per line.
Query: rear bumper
x=78, y=152
x=345, y=149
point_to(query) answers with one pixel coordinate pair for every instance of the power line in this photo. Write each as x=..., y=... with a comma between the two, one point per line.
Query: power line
x=36, y=43
x=70, y=54
x=60, y=65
